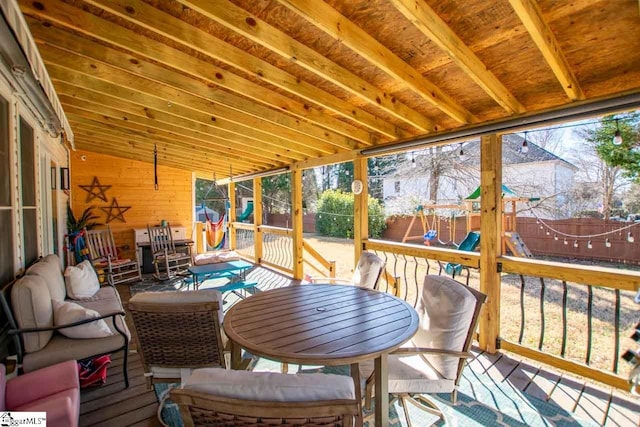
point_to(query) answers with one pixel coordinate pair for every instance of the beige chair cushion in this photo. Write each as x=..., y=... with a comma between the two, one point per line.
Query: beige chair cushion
x=181, y=297
x=368, y=270
x=445, y=309
x=49, y=269
x=31, y=305
x=271, y=386
x=81, y=281
x=61, y=348
x=106, y=301
x=66, y=312
x=411, y=374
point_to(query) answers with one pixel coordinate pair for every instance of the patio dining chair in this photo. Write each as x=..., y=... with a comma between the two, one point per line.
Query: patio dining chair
x=217, y=397
x=165, y=256
x=176, y=332
x=433, y=361
x=366, y=274
x=104, y=256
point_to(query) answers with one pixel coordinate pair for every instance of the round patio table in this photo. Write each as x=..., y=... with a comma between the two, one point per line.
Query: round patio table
x=324, y=325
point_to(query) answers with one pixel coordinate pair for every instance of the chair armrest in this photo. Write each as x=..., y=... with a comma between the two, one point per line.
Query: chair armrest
x=436, y=351
x=68, y=325
x=42, y=383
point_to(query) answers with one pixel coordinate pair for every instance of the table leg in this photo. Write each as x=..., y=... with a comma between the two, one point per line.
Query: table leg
x=236, y=354
x=382, y=390
x=355, y=374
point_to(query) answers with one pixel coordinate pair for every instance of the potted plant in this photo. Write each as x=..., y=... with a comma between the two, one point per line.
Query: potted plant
x=75, y=227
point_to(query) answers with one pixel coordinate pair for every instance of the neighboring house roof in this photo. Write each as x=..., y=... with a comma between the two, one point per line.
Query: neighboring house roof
x=512, y=152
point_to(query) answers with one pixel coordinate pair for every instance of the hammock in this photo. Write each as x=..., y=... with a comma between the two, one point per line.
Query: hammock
x=215, y=232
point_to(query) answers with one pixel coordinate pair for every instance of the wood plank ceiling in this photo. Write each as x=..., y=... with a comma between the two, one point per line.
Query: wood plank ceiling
x=240, y=86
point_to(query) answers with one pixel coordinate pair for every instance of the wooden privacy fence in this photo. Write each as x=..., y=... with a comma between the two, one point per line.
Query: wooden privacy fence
x=546, y=237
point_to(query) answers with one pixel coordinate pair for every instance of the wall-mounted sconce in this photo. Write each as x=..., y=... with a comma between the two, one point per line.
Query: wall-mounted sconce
x=64, y=178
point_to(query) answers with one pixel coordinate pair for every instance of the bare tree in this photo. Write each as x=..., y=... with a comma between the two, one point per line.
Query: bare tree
x=549, y=139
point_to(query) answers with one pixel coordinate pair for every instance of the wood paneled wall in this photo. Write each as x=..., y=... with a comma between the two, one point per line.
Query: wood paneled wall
x=132, y=185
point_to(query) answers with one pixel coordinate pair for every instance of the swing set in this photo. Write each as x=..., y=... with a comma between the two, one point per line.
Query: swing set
x=431, y=224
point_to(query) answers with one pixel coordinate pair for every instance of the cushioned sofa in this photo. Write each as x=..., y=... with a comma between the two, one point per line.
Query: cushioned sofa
x=29, y=303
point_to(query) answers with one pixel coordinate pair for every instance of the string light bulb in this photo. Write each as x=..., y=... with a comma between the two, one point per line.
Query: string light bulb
x=575, y=243
x=413, y=161
x=630, y=237
x=461, y=154
x=555, y=237
x=607, y=243
x=617, y=137
x=525, y=144
x=589, y=245
x=548, y=233
x=566, y=242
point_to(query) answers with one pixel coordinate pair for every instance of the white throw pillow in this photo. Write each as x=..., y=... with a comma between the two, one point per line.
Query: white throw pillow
x=65, y=312
x=81, y=281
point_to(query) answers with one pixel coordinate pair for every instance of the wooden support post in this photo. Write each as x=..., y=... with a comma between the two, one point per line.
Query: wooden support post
x=257, y=219
x=296, y=211
x=232, y=215
x=360, y=207
x=490, y=238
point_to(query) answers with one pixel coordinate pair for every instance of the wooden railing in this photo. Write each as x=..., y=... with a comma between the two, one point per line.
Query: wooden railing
x=277, y=248
x=572, y=317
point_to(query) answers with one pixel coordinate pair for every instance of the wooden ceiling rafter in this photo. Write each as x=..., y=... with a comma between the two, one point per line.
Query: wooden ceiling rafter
x=70, y=83
x=179, y=129
x=340, y=28
x=186, y=145
x=121, y=70
x=437, y=30
x=250, y=26
x=181, y=32
x=79, y=21
x=133, y=154
x=267, y=142
x=531, y=16
x=116, y=142
x=139, y=125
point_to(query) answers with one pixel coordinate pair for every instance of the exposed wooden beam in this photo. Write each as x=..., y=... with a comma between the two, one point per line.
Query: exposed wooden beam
x=181, y=32
x=333, y=23
x=111, y=117
x=217, y=128
x=531, y=16
x=168, y=157
x=79, y=85
x=75, y=19
x=179, y=128
x=194, y=154
x=87, y=144
x=223, y=154
x=252, y=27
x=176, y=88
x=432, y=26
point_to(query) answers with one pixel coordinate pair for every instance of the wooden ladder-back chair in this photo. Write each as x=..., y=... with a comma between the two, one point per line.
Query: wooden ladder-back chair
x=104, y=256
x=433, y=360
x=218, y=397
x=165, y=254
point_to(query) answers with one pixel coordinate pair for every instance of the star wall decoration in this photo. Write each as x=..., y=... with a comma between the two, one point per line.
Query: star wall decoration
x=95, y=190
x=115, y=211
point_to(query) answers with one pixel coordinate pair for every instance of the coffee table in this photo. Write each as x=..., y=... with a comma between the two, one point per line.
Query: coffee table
x=324, y=324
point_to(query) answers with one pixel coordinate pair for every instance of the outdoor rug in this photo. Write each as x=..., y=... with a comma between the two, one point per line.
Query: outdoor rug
x=495, y=404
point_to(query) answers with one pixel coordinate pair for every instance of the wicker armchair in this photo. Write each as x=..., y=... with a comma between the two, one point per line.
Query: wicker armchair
x=217, y=397
x=177, y=332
